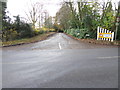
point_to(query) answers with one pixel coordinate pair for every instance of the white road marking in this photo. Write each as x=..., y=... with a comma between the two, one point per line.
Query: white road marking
x=109, y=57
x=60, y=46
x=59, y=43
x=59, y=34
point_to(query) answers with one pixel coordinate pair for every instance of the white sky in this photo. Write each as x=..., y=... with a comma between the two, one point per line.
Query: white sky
x=18, y=7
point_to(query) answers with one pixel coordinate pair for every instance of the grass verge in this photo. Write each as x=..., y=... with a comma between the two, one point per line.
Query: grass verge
x=27, y=40
x=94, y=41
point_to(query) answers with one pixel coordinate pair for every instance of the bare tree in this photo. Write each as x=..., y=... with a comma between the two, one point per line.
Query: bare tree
x=40, y=11
x=34, y=14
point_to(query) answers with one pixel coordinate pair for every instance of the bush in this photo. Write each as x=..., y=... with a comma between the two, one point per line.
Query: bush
x=79, y=33
x=52, y=30
x=25, y=31
x=9, y=35
x=36, y=32
x=42, y=31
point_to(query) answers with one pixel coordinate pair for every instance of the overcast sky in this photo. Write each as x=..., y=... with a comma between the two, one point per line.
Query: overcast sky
x=18, y=7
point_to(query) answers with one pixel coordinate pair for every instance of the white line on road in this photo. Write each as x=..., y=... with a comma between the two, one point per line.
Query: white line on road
x=59, y=34
x=109, y=57
x=60, y=46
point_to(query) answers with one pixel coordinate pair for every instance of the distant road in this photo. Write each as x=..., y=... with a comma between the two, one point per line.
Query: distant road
x=60, y=62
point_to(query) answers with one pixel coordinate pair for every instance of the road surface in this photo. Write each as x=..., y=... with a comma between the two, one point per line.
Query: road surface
x=60, y=62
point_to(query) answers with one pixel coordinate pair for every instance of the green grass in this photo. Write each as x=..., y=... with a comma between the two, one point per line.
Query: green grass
x=27, y=40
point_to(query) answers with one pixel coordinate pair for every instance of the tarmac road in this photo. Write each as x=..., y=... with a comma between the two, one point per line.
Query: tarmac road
x=60, y=62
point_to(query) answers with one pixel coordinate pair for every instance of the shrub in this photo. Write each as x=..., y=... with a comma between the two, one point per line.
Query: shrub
x=9, y=35
x=25, y=30
x=52, y=30
x=79, y=33
x=36, y=32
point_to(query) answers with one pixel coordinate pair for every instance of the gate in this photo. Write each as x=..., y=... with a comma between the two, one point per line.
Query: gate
x=104, y=34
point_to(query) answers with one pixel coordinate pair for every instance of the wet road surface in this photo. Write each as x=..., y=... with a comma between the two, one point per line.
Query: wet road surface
x=60, y=62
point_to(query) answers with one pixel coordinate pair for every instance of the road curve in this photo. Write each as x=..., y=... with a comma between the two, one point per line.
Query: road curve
x=60, y=62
